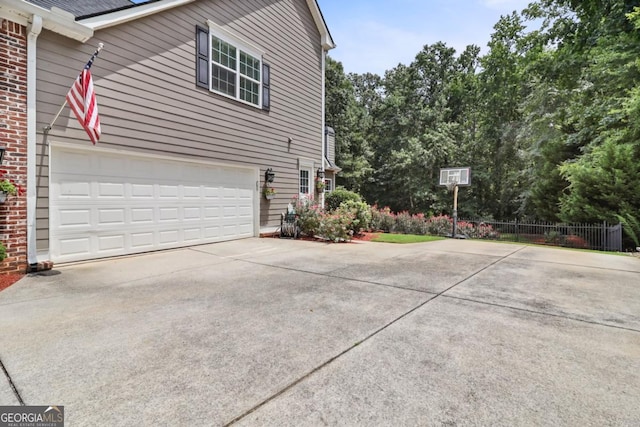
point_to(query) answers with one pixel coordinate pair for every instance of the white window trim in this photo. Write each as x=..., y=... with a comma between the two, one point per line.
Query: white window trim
x=240, y=45
x=308, y=165
x=328, y=188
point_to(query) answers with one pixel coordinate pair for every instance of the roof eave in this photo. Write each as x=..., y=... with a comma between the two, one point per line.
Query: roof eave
x=121, y=16
x=55, y=20
x=325, y=35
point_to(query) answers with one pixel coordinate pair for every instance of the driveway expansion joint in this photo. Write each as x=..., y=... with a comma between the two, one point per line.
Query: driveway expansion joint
x=358, y=343
x=11, y=384
x=542, y=313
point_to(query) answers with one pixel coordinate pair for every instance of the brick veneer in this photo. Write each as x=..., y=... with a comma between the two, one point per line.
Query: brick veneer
x=13, y=136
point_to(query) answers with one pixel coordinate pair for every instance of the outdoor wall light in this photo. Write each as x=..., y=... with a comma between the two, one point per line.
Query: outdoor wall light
x=2, y=150
x=269, y=176
x=321, y=174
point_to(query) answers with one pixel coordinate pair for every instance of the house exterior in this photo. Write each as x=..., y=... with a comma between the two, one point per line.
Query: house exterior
x=198, y=99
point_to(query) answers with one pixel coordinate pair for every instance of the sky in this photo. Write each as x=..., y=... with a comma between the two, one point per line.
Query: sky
x=376, y=35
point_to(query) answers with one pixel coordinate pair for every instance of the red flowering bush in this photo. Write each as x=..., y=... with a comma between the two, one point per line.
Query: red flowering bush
x=382, y=219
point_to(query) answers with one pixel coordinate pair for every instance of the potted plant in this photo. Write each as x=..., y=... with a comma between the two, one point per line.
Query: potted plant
x=269, y=193
x=320, y=185
x=7, y=187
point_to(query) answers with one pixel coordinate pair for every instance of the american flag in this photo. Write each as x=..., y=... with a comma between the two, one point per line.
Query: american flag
x=82, y=100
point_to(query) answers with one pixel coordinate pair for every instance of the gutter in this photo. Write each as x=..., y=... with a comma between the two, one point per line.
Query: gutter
x=324, y=143
x=56, y=19
x=33, y=31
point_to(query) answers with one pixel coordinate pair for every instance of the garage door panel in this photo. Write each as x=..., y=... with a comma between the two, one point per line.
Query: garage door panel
x=142, y=191
x=72, y=189
x=111, y=217
x=141, y=215
x=192, y=213
x=169, y=237
x=193, y=234
x=111, y=243
x=74, y=218
x=142, y=240
x=191, y=192
x=110, y=190
x=144, y=204
x=75, y=246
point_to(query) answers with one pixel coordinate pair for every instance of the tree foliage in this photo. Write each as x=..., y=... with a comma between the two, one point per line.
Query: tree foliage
x=546, y=119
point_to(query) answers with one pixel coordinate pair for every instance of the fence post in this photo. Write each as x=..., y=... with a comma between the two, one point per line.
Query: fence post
x=517, y=231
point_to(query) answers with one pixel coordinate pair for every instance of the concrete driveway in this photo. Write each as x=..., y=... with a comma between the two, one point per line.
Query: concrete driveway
x=281, y=332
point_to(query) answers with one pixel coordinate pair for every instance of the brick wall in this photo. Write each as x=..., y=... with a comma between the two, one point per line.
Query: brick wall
x=13, y=136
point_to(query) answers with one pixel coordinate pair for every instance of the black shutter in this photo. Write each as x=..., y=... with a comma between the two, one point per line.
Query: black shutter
x=266, y=87
x=202, y=57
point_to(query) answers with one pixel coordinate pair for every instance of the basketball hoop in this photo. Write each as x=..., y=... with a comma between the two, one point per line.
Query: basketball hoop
x=452, y=178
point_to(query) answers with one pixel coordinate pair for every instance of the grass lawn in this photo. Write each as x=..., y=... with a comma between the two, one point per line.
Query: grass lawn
x=405, y=238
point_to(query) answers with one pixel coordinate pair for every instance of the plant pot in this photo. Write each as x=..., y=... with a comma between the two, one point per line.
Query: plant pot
x=3, y=196
x=269, y=196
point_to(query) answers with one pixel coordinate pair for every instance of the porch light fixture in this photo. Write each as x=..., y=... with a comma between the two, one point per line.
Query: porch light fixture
x=320, y=174
x=269, y=176
x=2, y=150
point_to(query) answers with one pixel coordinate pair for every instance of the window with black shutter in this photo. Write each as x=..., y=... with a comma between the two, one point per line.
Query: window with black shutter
x=232, y=67
x=266, y=86
x=202, y=57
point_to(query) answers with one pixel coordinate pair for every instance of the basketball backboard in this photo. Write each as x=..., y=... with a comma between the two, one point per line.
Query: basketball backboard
x=461, y=176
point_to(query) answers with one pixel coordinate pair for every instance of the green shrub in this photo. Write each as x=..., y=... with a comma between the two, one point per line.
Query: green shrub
x=333, y=200
x=552, y=237
x=3, y=252
x=361, y=215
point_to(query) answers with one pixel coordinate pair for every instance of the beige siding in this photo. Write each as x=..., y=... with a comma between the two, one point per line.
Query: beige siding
x=148, y=101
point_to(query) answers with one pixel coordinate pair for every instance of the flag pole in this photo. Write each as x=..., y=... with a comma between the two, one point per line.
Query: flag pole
x=93, y=57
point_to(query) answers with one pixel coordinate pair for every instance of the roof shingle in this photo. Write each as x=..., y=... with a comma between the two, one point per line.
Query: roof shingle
x=87, y=8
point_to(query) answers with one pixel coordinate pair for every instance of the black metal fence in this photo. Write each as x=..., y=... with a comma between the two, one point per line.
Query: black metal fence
x=601, y=237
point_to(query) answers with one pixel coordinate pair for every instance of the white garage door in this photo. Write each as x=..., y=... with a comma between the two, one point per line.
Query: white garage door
x=105, y=204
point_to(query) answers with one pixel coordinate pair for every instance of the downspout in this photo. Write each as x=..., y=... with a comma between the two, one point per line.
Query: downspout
x=33, y=31
x=323, y=60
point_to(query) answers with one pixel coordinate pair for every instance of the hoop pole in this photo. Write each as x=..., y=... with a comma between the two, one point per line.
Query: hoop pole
x=455, y=211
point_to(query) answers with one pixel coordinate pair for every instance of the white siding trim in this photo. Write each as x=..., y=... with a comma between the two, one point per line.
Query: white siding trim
x=148, y=155
x=235, y=40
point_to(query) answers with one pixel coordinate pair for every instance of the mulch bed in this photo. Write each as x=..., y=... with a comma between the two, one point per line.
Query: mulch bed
x=364, y=237
x=367, y=237
x=7, y=280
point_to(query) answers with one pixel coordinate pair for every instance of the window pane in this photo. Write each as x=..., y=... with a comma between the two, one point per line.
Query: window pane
x=223, y=53
x=249, y=90
x=304, y=181
x=223, y=80
x=249, y=66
